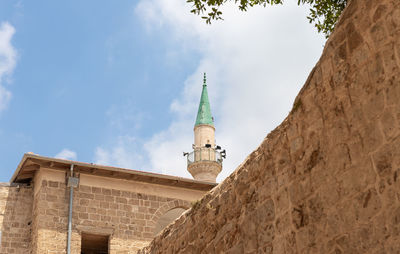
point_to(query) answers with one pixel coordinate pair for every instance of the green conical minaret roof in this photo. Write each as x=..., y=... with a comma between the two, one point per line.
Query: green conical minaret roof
x=204, y=113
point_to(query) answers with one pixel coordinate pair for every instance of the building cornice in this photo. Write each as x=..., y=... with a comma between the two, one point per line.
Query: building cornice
x=31, y=163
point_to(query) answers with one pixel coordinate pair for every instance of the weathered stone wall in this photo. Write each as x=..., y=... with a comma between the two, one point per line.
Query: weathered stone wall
x=15, y=218
x=327, y=180
x=129, y=218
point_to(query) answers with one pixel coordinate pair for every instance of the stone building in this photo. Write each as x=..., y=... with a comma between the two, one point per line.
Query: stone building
x=60, y=206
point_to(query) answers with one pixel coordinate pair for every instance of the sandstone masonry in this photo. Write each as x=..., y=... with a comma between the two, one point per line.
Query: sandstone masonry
x=327, y=180
x=15, y=218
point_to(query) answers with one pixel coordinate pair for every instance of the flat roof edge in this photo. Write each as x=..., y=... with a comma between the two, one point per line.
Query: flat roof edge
x=150, y=177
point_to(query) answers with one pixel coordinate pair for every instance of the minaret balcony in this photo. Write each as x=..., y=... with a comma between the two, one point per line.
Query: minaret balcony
x=204, y=154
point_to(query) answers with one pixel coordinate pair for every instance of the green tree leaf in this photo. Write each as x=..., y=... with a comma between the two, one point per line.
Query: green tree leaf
x=323, y=13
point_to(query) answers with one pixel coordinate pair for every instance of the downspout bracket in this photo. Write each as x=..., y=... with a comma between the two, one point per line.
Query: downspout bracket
x=73, y=182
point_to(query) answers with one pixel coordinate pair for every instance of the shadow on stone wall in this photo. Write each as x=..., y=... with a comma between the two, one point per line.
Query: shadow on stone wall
x=16, y=211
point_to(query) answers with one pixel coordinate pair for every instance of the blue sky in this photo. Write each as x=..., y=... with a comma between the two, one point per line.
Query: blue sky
x=118, y=82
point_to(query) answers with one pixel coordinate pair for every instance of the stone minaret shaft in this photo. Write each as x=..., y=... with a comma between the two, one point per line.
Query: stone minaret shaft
x=205, y=162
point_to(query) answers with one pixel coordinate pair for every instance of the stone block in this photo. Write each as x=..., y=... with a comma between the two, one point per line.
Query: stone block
x=282, y=201
x=389, y=125
x=378, y=34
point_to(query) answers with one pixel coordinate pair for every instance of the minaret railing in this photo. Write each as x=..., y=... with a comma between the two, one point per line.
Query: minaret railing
x=204, y=154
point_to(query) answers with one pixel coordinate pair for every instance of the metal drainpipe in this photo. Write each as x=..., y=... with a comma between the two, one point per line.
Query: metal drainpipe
x=71, y=198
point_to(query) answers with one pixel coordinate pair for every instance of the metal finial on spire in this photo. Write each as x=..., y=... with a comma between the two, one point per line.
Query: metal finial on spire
x=204, y=79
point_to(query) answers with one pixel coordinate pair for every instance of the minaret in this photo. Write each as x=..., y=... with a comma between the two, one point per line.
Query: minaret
x=205, y=162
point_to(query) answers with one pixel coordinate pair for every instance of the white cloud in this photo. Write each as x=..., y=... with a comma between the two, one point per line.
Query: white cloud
x=256, y=62
x=5, y=97
x=8, y=58
x=66, y=154
x=126, y=150
x=124, y=153
x=165, y=149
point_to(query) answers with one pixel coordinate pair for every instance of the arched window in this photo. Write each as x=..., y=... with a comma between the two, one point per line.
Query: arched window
x=167, y=218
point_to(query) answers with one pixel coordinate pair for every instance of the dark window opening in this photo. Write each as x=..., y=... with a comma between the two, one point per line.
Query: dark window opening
x=94, y=244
